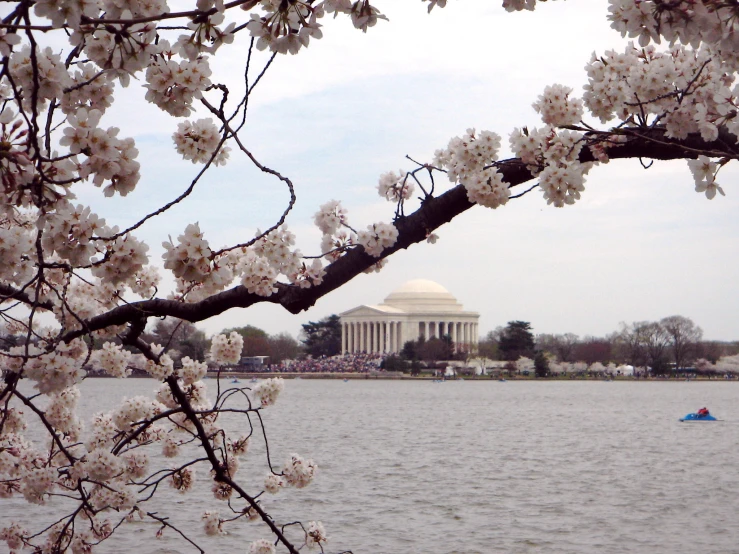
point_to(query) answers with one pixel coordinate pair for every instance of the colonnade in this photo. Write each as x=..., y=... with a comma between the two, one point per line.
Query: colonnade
x=389, y=336
x=462, y=332
x=372, y=336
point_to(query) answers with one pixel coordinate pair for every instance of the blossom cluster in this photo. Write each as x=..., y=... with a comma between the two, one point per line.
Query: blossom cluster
x=261, y=546
x=553, y=156
x=226, y=350
x=299, y=473
x=52, y=371
x=557, y=108
x=377, y=238
x=395, y=187
x=197, y=141
x=704, y=173
x=712, y=22
x=190, y=259
x=315, y=534
x=331, y=218
x=173, y=85
x=268, y=390
x=469, y=160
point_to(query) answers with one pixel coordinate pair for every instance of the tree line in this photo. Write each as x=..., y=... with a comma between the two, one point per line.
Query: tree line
x=674, y=342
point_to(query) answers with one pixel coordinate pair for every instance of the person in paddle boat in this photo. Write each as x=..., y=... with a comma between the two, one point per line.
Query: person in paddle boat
x=703, y=412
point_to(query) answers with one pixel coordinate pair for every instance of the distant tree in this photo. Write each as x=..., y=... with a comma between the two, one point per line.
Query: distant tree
x=683, y=336
x=630, y=345
x=516, y=340
x=434, y=350
x=415, y=368
x=488, y=346
x=655, y=341
x=541, y=365
x=283, y=347
x=524, y=364
x=545, y=342
x=323, y=338
x=562, y=346
x=409, y=351
x=579, y=368
x=591, y=350
x=394, y=362
x=728, y=364
x=711, y=351
x=256, y=340
x=598, y=368
x=181, y=339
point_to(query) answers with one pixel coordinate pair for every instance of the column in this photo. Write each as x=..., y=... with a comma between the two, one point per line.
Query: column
x=362, y=346
x=454, y=333
x=343, y=339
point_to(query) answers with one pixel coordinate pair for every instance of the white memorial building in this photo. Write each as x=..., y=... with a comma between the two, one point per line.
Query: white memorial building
x=418, y=308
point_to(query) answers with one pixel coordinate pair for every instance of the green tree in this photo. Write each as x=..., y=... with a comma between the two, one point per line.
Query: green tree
x=435, y=349
x=394, y=362
x=256, y=340
x=409, y=351
x=516, y=340
x=323, y=338
x=541, y=364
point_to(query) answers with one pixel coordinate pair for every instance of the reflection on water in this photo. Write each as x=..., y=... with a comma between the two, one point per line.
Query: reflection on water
x=481, y=467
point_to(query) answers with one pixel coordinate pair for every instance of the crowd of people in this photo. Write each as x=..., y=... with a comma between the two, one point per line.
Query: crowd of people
x=348, y=363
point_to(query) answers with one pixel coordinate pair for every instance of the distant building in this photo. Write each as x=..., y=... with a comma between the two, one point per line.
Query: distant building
x=253, y=363
x=418, y=308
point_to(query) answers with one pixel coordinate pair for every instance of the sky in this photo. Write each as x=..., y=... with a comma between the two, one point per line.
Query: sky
x=640, y=245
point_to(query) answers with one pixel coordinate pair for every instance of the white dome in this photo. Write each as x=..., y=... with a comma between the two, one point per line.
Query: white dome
x=422, y=295
x=420, y=286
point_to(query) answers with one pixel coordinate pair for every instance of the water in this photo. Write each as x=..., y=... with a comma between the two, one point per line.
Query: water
x=482, y=467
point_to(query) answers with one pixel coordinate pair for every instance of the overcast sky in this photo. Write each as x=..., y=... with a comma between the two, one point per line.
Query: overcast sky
x=640, y=245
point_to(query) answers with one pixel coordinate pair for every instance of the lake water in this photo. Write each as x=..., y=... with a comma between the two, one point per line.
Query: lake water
x=480, y=467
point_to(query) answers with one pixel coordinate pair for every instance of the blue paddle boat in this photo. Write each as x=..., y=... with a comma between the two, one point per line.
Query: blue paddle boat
x=697, y=417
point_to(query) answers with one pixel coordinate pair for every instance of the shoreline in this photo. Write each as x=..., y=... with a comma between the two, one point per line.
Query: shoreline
x=397, y=376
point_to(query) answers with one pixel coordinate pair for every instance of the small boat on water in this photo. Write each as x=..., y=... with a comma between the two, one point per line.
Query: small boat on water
x=697, y=417
x=235, y=381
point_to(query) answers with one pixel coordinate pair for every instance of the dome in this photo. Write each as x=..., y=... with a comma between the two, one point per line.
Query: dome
x=422, y=295
x=416, y=286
